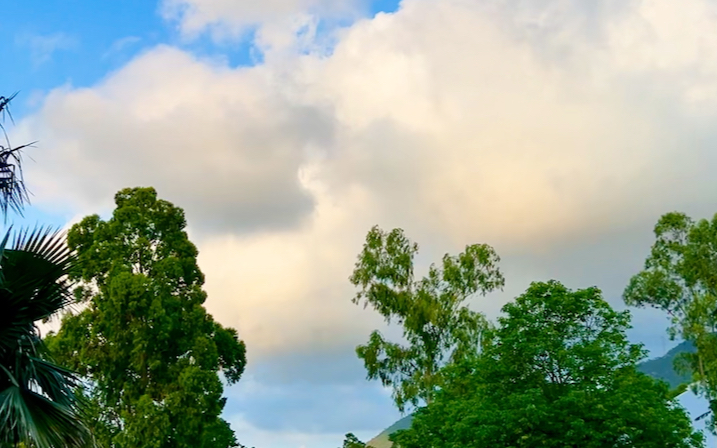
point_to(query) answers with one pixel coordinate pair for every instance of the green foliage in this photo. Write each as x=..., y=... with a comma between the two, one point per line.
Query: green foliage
x=680, y=278
x=38, y=404
x=661, y=368
x=150, y=351
x=13, y=194
x=558, y=372
x=351, y=441
x=437, y=325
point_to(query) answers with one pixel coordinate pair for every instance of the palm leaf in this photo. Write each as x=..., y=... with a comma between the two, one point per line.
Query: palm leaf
x=13, y=194
x=33, y=280
x=4, y=106
x=29, y=417
x=38, y=400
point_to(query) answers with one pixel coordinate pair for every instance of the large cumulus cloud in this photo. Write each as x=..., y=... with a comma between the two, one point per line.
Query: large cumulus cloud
x=554, y=131
x=226, y=144
x=455, y=120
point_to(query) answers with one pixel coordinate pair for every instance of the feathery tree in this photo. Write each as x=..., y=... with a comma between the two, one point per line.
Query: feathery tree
x=437, y=325
x=680, y=278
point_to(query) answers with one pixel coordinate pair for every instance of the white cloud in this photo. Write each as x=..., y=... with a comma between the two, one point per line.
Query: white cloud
x=43, y=47
x=232, y=18
x=121, y=45
x=285, y=290
x=472, y=133
x=510, y=123
x=675, y=43
x=189, y=128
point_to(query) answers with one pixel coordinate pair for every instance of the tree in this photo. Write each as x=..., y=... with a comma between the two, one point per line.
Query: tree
x=437, y=325
x=351, y=441
x=680, y=278
x=144, y=342
x=557, y=372
x=38, y=404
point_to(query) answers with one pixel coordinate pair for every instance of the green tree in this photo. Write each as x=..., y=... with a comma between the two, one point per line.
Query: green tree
x=38, y=404
x=437, y=326
x=145, y=343
x=351, y=441
x=680, y=278
x=557, y=372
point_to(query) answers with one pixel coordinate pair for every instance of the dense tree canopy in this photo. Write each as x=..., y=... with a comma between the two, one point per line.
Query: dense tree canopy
x=680, y=278
x=557, y=372
x=437, y=325
x=149, y=349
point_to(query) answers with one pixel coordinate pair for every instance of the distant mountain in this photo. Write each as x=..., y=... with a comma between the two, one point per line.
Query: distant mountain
x=661, y=368
x=381, y=440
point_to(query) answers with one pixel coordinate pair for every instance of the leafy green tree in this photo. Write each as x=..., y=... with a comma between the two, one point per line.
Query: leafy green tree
x=351, y=441
x=680, y=278
x=557, y=372
x=38, y=404
x=437, y=325
x=149, y=350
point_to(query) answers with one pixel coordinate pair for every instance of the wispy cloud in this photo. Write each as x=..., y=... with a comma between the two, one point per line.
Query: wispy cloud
x=232, y=18
x=43, y=47
x=120, y=45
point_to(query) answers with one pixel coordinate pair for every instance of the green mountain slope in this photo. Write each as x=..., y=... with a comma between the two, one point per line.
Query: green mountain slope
x=381, y=440
x=661, y=368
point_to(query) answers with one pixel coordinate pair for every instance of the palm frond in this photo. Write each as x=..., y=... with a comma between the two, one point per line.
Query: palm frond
x=39, y=403
x=13, y=193
x=5, y=107
x=27, y=416
x=46, y=242
x=33, y=280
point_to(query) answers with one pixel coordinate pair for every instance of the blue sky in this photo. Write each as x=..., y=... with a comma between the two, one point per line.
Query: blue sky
x=54, y=42
x=556, y=133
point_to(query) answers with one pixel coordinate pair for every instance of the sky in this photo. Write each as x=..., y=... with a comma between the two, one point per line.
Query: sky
x=556, y=131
